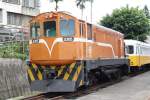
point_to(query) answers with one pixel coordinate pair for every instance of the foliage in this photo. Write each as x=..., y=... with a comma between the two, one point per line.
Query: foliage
x=146, y=11
x=130, y=21
x=14, y=50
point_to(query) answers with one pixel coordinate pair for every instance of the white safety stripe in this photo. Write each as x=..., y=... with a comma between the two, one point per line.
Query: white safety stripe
x=58, y=40
x=44, y=42
x=98, y=43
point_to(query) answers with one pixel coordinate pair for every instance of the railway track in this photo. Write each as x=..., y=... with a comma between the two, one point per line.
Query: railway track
x=81, y=92
x=35, y=97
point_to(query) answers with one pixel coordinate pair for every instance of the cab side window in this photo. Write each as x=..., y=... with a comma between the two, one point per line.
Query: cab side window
x=35, y=30
x=82, y=30
x=89, y=31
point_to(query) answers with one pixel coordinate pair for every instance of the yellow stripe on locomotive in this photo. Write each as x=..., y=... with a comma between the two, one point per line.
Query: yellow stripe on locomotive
x=72, y=72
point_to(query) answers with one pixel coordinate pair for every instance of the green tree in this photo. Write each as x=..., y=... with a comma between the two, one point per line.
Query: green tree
x=132, y=22
x=146, y=11
x=56, y=2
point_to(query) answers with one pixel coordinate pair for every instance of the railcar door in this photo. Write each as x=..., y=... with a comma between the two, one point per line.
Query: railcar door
x=138, y=50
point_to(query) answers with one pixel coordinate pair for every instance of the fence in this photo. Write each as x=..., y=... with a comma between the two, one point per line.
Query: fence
x=13, y=77
x=14, y=49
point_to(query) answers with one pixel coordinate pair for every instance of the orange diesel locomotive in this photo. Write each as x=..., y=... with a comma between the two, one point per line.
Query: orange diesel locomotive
x=66, y=53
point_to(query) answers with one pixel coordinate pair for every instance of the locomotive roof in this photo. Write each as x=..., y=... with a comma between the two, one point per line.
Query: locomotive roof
x=96, y=25
x=60, y=12
x=108, y=29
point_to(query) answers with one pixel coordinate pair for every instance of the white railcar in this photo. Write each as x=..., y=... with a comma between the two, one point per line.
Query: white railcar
x=138, y=53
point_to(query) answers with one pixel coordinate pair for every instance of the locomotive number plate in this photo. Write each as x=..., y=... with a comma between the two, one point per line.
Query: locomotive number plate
x=68, y=39
x=35, y=41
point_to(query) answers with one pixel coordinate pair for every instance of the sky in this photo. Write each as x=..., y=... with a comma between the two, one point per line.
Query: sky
x=100, y=7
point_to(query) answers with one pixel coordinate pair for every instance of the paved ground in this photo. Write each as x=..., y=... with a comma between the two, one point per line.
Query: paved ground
x=136, y=88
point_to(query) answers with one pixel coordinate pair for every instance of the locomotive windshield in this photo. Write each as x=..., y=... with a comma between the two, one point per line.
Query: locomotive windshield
x=67, y=27
x=50, y=28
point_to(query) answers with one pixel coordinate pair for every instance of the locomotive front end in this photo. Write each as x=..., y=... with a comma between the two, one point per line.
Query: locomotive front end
x=52, y=51
x=52, y=39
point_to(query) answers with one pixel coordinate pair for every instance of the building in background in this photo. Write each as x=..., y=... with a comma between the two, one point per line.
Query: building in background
x=15, y=16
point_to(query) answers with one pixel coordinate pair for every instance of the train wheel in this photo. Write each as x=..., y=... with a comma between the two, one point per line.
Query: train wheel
x=116, y=75
x=92, y=79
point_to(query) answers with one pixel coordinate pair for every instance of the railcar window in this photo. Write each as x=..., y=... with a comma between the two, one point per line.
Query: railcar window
x=130, y=49
x=35, y=30
x=50, y=28
x=67, y=27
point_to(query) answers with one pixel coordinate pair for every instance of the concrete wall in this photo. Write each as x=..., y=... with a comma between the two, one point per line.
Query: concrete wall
x=13, y=78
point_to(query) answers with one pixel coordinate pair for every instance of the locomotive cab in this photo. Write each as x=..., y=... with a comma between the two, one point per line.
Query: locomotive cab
x=51, y=37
